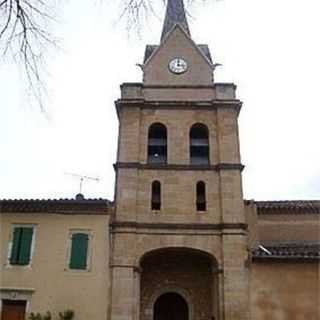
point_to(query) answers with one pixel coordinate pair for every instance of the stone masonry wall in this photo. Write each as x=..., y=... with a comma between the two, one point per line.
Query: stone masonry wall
x=174, y=271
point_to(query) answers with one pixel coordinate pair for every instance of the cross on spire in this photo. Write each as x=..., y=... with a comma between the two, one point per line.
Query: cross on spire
x=175, y=14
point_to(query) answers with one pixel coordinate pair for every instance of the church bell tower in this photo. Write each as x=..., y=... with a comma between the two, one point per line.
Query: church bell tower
x=179, y=233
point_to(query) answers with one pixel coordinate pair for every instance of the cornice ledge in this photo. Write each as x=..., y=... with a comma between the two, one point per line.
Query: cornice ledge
x=181, y=86
x=131, y=84
x=225, y=84
x=181, y=167
x=178, y=226
x=227, y=102
x=213, y=85
x=15, y=289
x=129, y=102
x=230, y=166
x=188, y=104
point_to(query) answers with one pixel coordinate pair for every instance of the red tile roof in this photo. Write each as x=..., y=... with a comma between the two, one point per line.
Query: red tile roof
x=61, y=206
x=288, y=251
x=287, y=206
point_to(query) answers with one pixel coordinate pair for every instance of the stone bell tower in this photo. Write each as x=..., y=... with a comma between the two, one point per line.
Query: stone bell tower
x=179, y=234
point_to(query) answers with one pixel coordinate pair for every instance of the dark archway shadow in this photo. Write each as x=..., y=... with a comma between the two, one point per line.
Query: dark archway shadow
x=170, y=306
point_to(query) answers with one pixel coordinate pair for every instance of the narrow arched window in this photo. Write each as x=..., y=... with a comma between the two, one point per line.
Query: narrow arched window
x=157, y=144
x=156, y=195
x=201, y=196
x=199, y=144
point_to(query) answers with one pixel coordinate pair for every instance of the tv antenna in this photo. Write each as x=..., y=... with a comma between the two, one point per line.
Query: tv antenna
x=82, y=178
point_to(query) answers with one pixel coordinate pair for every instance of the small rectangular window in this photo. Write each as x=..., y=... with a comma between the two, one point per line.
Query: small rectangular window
x=156, y=196
x=201, y=196
x=79, y=251
x=21, y=246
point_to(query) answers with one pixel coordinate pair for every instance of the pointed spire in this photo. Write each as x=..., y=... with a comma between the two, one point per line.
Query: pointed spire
x=175, y=14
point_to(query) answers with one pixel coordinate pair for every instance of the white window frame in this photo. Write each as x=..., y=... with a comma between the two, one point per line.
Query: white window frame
x=89, y=250
x=10, y=244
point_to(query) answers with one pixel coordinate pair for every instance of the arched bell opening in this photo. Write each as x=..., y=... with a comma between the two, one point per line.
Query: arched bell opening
x=199, y=144
x=157, y=144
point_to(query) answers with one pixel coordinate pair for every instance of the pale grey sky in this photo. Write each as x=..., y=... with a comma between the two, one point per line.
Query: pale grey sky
x=269, y=48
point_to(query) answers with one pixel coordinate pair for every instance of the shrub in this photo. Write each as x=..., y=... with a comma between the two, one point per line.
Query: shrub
x=66, y=315
x=39, y=316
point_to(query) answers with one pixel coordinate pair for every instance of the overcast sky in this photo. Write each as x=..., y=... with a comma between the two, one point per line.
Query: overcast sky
x=269, y=48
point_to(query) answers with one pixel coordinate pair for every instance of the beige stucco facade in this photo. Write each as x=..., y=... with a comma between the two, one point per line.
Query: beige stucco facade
x=47, y=283
x=285, y=291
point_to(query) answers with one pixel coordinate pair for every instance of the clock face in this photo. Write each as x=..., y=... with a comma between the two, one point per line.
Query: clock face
x=178, y=66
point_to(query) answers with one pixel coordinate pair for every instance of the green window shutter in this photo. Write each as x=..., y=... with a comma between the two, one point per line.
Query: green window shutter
x=25, y=246
x=14, y=257
x=79, y=250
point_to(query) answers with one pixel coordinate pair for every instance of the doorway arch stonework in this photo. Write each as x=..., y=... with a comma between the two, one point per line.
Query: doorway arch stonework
x=187, y=272
x=208, y=245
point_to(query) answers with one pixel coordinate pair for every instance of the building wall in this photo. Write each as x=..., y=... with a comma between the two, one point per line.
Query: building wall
x=54, y=287
x=289, y=227
x=178, y=186
x=178, y=193
x=278, y=291
x=285, y=291
x=222, y=126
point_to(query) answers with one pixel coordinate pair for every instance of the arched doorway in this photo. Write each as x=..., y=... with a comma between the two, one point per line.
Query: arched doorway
x=175, y=277
x=170, y=306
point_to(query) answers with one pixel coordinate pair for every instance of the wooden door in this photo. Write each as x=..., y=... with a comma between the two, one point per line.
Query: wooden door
x=13, y=310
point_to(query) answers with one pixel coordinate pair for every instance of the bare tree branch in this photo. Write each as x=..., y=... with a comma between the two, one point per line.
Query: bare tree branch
x=24, y=35
x=136, y=12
